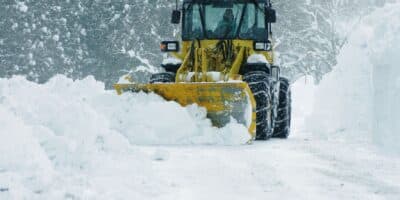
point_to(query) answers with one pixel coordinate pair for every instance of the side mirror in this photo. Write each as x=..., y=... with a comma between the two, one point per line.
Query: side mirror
x=270, y=15
x=275, y=72
x=176, y=17
x=169, y=46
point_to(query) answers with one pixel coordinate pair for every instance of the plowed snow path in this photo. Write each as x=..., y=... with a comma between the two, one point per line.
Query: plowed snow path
x=299, y=168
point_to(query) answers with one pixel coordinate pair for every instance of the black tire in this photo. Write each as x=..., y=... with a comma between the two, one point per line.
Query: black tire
x=259, y=83
x=164, y=77
x=283, y=119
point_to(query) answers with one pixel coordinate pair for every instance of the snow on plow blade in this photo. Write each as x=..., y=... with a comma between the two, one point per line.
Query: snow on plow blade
x=222, y=100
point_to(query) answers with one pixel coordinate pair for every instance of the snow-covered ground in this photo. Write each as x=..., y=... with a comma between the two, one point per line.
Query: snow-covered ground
x=74, y=140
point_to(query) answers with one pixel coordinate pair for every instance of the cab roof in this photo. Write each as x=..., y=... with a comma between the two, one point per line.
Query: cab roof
x=209, y=1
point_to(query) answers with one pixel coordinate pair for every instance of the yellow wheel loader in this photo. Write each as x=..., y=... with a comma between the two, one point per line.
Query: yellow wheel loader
x=225, y=63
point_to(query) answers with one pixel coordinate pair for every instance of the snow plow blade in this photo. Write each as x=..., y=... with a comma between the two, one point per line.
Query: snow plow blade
x=222, y=100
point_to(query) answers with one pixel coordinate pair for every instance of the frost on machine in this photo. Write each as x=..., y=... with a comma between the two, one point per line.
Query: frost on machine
x=225, y=63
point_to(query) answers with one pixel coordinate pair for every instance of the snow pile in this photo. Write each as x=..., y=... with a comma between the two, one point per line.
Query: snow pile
x=361, y=96
x=52, y=133
x=69, y=108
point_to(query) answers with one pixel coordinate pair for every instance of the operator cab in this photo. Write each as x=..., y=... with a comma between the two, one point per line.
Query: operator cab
x=226, y=19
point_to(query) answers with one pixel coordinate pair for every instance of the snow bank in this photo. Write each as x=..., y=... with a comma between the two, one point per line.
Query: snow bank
x=52, y=133
x=361, y=97
x=68, y=108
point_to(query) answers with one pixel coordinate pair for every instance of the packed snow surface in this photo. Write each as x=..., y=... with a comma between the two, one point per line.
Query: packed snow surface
x=74, y=140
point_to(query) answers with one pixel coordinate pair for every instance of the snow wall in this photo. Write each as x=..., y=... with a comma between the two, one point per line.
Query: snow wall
x=361, y=96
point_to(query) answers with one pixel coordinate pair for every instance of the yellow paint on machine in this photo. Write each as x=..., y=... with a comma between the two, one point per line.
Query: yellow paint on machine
x=224, y=97
x=237, y=43
x=222, y=100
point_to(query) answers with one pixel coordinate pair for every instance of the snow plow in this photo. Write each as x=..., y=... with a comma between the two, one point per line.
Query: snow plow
x=225, y=63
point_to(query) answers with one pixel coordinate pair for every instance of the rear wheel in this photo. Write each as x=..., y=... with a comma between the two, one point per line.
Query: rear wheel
x=259, y=83
x=283, y=119
x=164, y=77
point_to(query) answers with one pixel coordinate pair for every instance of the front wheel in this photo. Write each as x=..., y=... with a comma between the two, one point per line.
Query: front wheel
x=259, y=83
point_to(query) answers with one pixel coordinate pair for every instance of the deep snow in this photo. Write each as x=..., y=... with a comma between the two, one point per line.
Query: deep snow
x=68, y=108
x=75, y=140
x=361, y=97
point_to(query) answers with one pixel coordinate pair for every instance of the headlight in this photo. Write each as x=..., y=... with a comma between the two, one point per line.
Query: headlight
x=262, y=46
x=169, y=46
